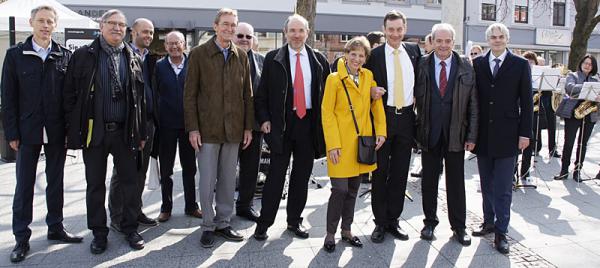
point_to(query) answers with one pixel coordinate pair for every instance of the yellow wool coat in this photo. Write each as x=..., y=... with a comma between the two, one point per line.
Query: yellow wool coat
x=338, y=126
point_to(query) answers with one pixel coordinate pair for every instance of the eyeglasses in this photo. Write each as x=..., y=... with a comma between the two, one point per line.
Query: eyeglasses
x=173, y=43
x=114, y=23
x=474, y=53
x=240, y=36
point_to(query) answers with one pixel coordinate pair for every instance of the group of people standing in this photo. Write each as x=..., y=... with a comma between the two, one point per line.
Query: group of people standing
x=219, y=102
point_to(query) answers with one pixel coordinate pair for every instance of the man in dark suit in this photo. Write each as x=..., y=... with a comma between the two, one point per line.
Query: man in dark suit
x=32, y=81
x=394, y=67
x=447, y=118
x=505, y=126
x=250, y=157
x=288, y=108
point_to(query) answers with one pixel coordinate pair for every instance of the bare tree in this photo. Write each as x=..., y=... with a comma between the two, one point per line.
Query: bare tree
x=585, y=22
x=308, y=9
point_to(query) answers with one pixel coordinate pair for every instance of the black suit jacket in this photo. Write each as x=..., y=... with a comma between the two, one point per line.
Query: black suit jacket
x=376, y=63
x=506, y=105
x=274, y=98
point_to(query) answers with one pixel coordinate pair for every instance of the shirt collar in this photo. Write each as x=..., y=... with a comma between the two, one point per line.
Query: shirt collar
x=437, y=60
x=139, y=51
x=390, y=50
x=293, y=52
x=222, y=48
x=180, y=66
x=40, y=49
x=501, y=57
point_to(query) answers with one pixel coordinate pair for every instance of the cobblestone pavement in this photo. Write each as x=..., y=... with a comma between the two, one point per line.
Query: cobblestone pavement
x=555, y=225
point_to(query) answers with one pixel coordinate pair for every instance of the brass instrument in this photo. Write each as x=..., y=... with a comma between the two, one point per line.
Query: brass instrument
x=585, y=108
x=536, y=101
x=557, y=97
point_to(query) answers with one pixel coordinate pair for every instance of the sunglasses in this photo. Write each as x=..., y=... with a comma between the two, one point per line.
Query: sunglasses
x=247, y=36
x=474, y=54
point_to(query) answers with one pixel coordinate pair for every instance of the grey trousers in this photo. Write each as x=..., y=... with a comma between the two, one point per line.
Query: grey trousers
x=341, y=203
x=217, y=166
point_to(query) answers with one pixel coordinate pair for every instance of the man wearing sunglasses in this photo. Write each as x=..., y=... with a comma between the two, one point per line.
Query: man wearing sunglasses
x=249, y=158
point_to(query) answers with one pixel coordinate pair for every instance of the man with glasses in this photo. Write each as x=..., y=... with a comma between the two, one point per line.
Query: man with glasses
x=170, y=75
x=249, y=158
x=106, y=113
x=219, y=115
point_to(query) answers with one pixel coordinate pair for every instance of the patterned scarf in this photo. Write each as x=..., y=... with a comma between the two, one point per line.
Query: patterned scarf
x=114, y=56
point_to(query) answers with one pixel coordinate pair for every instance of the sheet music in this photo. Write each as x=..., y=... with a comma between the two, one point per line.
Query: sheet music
x=545, y=78
x=590, y=91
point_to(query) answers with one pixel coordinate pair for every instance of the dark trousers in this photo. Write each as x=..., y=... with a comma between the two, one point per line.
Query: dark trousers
x=550, y=115
x=169, y=140
x=27, y=160
x=298, y=142
x=125, y=160
x=534, y=146
x=572, y=126
x=393, y=161
x=496, y=190
x=249, y=164
x=341, y=203
x=455, y=185
x=115, y=195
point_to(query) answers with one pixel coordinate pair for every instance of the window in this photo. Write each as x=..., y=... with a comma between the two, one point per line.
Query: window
x=434, y=2
x=346, y=37
x=558, y=14
x=488, y=11
x=521, y=11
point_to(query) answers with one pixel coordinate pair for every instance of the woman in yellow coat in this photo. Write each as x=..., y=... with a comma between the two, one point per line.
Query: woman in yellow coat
x=341, y=139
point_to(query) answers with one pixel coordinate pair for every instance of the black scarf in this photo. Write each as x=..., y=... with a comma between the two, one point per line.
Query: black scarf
x=114, y=56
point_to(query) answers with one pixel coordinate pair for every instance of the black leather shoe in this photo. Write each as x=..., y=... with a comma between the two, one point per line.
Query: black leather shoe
x=229, y=234
x=98, y=245
x=397, y=232
x=260, y=233
x=427, y=232
x=462, y=237
x=207, y=240
x=484, y=229
x=329, y=246
x=249, y=214
x=353, y=241
x=298, y=231
x=555, y=154
x=562, y=176
x=115, y=226
x=144, y=220
x=135, y=240
x=378, y=234
x=577, y=176
x=501, y=244
x=597, y=176
x=19, y=252
x=64, y=236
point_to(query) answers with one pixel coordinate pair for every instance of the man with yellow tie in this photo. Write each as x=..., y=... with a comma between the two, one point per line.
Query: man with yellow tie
x=394, y=68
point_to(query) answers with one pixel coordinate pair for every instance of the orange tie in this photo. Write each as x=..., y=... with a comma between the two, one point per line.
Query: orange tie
x=299, y=100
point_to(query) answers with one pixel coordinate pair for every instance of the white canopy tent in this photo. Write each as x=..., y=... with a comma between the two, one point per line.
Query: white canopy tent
x=21, y=10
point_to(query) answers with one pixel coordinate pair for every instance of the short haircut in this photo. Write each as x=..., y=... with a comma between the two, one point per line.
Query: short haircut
x=111, y=13
x=428, y=39
x=374, y=37
x=44, y=7
x=442, y=27
x=225, y=11
x=176, y=33
x=477, y=47
x=497, y=26
x=530, y=55
x=139, y=20
x=394, y=15
x=247, y=25
x=295, y=16
x=356, y=43
x=594, y=64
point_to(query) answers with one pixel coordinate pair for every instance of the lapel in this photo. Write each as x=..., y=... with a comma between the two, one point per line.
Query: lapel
x=434, y=84
x=381, y=62
x=282, y=57
x=315, y=70
x=345, y=78
x=486, y=65
x=452, y=77
x=508, y=60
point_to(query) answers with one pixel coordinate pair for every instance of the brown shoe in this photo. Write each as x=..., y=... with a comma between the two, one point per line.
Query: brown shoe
x=164, y=216
x=196, y=214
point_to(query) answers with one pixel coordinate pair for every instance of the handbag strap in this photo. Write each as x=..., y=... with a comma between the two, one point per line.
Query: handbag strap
x=352, y=111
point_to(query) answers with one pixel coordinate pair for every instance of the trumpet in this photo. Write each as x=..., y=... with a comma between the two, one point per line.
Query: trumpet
x=536, y=101
x=585, y=108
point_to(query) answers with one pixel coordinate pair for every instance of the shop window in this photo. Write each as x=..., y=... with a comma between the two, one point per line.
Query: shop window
x=488, y=11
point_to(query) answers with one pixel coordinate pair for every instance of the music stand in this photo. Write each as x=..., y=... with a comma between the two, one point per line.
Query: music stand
x=590, y=91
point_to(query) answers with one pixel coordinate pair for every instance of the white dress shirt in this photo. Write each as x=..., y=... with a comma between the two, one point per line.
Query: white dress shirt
x=438, y=68
x=493, y=63
x=177, y=67
x=41, y=52
x=408, y=74
x=306, y=74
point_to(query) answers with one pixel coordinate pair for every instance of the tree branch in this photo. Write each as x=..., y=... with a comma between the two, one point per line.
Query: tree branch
x=595, y=21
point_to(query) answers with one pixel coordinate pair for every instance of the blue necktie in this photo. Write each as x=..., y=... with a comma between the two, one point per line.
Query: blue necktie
x=496, y=67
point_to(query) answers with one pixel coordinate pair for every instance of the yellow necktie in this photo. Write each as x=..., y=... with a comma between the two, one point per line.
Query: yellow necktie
x=398, y=81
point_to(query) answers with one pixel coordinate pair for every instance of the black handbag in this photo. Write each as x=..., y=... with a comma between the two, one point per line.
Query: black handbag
x=366, y=144
x=566, y=107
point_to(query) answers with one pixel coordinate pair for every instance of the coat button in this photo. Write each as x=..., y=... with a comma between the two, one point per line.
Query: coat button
x=491, y=103
x=491, y=121
x=492, y=85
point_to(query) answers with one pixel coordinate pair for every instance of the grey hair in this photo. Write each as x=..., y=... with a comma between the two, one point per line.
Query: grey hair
x=44, y=7
x=497, y=26
x=442, y=27
x=111, y=13
x=295, y=17
x=176, y=33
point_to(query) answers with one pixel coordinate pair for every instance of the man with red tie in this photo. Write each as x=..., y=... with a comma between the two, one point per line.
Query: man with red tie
x=288, y=109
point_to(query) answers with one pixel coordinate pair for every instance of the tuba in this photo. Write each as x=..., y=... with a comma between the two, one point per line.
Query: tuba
x=585, y=108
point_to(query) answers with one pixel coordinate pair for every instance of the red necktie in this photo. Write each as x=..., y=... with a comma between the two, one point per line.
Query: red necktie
x=299, y=100
x=443, y=79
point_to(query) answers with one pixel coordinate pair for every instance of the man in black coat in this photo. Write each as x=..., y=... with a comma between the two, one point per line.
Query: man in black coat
x=32, y=81
x=505, y=126
x=106, y=114
x=250, y=157
x=288, y=108
x=394, y=67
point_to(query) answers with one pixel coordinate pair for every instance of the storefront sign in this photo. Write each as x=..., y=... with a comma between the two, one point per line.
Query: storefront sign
x=76, y=37
x=553, y=37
